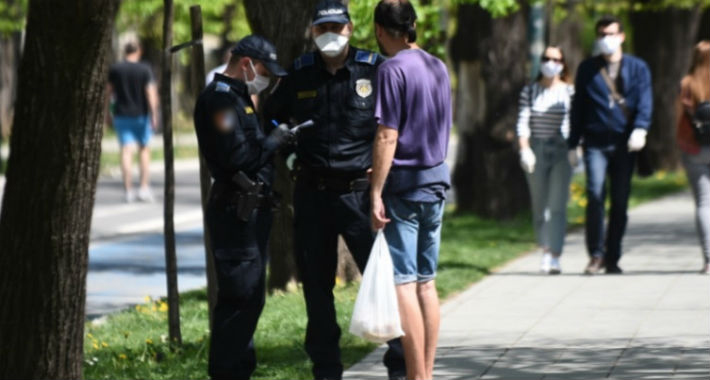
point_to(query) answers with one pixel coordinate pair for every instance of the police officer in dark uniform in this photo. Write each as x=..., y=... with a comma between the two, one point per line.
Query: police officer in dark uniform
x=333, y=87
x=238, y=214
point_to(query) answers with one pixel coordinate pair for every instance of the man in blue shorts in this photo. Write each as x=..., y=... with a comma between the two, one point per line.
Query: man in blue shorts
x=135, y=116
x=413, y=112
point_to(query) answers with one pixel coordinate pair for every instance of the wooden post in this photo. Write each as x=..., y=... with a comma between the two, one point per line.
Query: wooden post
x=169, y=205
x=198, y=80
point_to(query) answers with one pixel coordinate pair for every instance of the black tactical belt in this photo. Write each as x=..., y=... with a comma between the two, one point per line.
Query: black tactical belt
x=337, y=183
x=230, y=195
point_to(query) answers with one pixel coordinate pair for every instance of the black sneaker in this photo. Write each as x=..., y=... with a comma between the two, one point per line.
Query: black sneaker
x=614, y=270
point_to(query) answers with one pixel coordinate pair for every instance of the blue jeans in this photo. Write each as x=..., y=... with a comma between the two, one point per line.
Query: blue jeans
x=616, y=162
x=549, y=192
x=413, y=236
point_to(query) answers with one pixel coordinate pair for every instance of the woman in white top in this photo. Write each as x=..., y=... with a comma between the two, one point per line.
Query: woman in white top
x=543, y=126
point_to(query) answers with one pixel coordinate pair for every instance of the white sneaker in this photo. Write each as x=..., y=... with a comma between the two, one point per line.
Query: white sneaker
x=130, y=196
x=555, y=265
x=546, y=263
x=145, y=195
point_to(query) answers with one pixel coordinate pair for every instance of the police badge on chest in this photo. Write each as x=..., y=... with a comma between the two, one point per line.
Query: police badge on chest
x=363, y=87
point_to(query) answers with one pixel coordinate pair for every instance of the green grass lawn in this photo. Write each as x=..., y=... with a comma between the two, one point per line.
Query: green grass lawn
x=133, y=345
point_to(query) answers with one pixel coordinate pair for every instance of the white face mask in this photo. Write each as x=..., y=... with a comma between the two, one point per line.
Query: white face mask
x=331, y=44
x=608, y=45
x=551, y=69
x=258, y=84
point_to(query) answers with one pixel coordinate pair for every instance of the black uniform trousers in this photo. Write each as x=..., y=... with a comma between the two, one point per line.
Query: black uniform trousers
x=239, y=251
x=319, y=217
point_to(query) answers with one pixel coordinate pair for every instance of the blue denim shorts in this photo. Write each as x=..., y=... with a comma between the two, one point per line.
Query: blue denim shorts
x=413, y=236
x=133, y=129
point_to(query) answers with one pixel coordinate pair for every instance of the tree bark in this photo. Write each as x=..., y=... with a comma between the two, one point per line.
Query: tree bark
x=665, y=40
x=489, y=56
x=567, y=34
x=198, y=75
x=51, y=183
x=169, y=201
x=285, y=24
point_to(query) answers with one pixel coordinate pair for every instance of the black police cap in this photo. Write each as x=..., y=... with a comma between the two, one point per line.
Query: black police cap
x=260, y=48
x=331, y=11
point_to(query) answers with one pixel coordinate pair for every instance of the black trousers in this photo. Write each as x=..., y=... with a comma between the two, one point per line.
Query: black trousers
x=319, y=217
x=239, y=251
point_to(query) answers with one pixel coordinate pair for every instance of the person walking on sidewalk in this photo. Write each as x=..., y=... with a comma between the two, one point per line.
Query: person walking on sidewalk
x=543, y=127
x=135, y=116
x=413, y=111
x=611, y=113
x=694, y=140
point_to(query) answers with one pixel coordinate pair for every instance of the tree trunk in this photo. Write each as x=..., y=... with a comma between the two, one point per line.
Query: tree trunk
x=489, y=56
x=667, y=47
x=285, y=24
x=704, y=30
x=169, y=201
x=567, y=34
x=51, y=183
x=198, y=75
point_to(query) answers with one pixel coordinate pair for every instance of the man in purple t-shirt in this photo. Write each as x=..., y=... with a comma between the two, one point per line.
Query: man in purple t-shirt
x=413, y=109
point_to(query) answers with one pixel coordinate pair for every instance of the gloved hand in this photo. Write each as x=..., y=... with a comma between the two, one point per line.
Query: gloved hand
x=527, y=160
x=573, y=155
x=283, y=135
x=637, y=140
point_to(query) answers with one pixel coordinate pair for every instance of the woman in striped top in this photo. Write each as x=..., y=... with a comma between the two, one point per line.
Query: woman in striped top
x=543, y=126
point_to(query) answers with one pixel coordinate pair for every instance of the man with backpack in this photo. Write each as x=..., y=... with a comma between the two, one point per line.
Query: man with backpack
x=611, y=115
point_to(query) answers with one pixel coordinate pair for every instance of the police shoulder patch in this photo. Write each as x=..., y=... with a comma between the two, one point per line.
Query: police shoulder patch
x=364, y=56
x=304, y=61
x=221, y=87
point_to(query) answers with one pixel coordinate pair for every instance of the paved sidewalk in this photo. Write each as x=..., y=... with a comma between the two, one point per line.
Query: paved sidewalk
x=653, y=322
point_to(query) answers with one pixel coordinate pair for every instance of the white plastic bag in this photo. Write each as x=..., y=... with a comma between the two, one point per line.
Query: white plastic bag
x=376, y=314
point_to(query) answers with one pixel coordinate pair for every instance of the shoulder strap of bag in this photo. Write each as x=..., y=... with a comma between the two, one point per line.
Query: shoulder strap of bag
x=614, y=93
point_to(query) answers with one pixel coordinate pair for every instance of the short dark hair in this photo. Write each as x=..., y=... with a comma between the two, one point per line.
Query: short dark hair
x=131, y=47
x=607, y=20
x=234, y=60
x=397, y=17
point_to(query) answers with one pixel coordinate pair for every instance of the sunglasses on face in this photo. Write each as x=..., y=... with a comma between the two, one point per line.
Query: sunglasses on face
x=547, y=59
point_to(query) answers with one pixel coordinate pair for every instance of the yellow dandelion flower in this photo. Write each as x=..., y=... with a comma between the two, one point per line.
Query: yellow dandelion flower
x=153, y=308
x=122, y=356
x=149, y=341
x=163, y=307
x=96, y=346
x=104, y=344
x=147, y=299
x=89, y=335
x=582, y=202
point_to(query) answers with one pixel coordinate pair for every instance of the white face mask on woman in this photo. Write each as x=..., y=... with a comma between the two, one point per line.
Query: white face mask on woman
x=331, y=44
x=551, y=69
x=258, y=84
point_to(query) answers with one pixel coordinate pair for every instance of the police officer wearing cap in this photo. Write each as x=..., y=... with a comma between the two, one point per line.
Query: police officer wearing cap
x=238, y=215
x=332, y=86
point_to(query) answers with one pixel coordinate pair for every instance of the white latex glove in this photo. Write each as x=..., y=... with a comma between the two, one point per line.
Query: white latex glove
x=573, y=155
x=527, y=160
x=637, y=140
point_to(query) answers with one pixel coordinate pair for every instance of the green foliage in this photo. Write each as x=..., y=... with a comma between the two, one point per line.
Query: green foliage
x=497, y=8
x=429, y=28
x=12, y=16
x=146, y=18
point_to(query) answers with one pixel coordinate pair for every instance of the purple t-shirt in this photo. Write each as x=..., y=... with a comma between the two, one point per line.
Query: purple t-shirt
x=414, y=97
